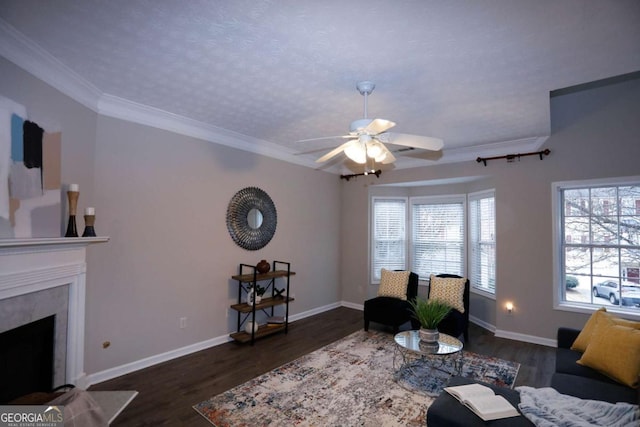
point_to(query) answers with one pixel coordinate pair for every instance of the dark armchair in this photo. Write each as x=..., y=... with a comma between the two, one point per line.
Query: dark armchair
x=456, y=323
x=391, y=311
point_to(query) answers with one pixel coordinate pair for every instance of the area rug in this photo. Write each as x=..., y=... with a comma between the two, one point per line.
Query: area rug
x=346, y=383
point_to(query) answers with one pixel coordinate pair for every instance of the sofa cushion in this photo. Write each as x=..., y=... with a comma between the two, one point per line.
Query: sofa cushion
x=589, y=388
x=566, y=363
x=393, y=284
x=615, y=351
x=449, y=290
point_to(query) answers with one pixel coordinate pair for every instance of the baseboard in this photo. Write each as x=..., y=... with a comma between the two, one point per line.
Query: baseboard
x=525, y=338
x=128, y=368
x=352, y=305
x=313, y=311
x=488, y=326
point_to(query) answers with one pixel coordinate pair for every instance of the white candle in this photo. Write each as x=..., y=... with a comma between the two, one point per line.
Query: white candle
x=74, y=187
x=89, y=211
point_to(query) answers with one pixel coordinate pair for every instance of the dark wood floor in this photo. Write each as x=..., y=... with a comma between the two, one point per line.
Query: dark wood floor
x=168, y=391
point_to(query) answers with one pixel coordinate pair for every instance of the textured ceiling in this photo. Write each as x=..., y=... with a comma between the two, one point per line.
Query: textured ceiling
x=266, y=74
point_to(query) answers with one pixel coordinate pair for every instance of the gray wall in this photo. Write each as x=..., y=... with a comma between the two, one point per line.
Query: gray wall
x=594, y=135
x=162, y=200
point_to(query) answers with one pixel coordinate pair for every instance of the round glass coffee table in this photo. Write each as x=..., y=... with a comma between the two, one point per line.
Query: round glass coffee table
x=413, y=360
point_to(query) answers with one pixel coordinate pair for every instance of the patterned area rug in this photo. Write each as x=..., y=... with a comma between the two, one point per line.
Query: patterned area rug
x=349, y=382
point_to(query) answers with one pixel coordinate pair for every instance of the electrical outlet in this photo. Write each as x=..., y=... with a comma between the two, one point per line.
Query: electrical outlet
x=183, y=322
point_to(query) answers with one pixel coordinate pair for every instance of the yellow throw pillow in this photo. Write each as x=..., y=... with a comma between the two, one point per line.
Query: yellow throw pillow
x=582, y=341
x=393, y=284
x=449, y=290
x=614, y=350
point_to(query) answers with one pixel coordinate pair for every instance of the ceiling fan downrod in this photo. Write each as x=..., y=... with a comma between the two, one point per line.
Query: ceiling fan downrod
x=365, y=88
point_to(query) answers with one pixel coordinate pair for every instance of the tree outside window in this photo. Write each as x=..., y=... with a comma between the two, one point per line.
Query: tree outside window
x=600, y=244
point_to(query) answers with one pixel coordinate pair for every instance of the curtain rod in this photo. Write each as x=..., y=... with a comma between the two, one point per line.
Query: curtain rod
x=512, y=157
x=354, y=175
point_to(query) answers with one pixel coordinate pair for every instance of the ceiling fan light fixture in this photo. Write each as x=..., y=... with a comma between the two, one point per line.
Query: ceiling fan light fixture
x=367, y=138
x=374, y=150
x=356, y=152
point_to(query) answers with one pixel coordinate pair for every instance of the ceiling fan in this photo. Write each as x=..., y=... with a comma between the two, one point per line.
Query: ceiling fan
x=367, y=137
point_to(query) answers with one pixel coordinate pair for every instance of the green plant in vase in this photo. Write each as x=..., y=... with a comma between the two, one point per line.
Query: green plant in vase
x=429, y=313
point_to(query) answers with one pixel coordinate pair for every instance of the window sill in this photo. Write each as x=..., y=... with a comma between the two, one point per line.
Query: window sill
x=630, y=313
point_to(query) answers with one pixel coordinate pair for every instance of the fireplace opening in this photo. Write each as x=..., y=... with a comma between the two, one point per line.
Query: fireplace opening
x=27, y=359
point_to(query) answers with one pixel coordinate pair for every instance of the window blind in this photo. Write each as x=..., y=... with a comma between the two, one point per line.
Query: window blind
x=437, y=237
x=388, y=236
x=482, y=245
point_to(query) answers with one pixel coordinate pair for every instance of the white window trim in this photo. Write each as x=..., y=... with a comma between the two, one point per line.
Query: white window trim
x=558, y=303
x=480, y=195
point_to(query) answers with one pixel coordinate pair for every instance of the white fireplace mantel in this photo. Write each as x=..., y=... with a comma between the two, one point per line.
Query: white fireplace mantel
x=36, y=264
x=50, y=242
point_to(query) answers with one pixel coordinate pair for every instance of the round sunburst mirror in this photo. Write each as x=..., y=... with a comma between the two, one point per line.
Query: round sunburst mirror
x=251, y=218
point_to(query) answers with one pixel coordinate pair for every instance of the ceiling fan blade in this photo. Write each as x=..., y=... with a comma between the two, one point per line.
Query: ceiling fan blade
x=378, y=126
x=303, y=153
x=334, y=152
x=415, y=141
x=327, y=137
x=389, y=158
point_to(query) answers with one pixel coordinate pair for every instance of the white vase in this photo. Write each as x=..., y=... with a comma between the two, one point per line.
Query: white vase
x=429, y=335
x=258, y=299
x=251, y=325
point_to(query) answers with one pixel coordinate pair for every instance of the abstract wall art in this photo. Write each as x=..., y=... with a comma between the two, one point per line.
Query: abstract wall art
x=30, y=176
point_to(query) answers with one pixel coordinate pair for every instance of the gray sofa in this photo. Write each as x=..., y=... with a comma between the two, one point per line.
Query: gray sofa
x=569, y=378
x=582, y=381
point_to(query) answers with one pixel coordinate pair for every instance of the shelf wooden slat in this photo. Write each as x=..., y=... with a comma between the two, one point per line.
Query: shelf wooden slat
x=264, y=276
x=263, y=331
x=265, y=303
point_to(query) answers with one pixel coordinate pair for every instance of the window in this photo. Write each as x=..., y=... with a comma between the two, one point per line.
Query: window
x=597, y=249
x=482, y=241
x=438, y=235
x=388, y=235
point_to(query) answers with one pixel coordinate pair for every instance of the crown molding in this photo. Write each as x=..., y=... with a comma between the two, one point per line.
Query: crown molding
x=123, y=109
x=28, y=55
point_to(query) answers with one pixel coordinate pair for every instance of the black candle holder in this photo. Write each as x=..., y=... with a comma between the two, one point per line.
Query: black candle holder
x=89, y=221
x=72, y=230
